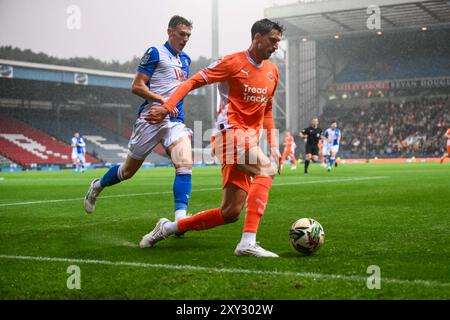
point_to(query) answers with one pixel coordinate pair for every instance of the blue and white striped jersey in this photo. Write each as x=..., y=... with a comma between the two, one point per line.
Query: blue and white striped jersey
x=167, y=71
x=78, y=144
x=333, y=135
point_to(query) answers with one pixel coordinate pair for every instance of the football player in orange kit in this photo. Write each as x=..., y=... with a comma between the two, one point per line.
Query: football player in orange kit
x=447, y=136
x=247, y=82
x=289, y=147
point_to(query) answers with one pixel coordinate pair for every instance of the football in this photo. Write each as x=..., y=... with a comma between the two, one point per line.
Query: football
x=306, y=235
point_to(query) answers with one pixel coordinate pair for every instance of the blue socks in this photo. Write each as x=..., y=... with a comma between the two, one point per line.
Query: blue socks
x=332, y=159
x=182, y=186
x=111, y=177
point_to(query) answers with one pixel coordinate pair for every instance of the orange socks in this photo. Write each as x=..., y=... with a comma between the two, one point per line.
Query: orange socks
x=201, y=221
x=256, y=202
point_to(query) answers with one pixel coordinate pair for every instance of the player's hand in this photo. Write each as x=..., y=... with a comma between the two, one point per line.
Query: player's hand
x=156, y=114
x=275, y=153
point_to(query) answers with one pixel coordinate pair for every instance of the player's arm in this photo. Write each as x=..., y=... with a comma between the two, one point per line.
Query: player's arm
x=144, y=72
x=269, y=126
x=139, y=88
x=303, y=134
x=217, y=72
x=324, y=138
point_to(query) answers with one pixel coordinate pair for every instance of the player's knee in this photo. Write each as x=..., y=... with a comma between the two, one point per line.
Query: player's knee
x=183, y=163
x=126, y=173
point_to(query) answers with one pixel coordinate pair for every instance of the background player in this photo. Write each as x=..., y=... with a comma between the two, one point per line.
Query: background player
x=312, y=134
x=323, y=152
x=161, y=70
x=78, y=152
x=247, y=83
x=332, y=138
x=289, y=150
x=447, y=136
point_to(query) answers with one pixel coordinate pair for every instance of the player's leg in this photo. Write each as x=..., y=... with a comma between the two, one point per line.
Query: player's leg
x=114, y=175
x=307, y=157
x=315, y=153
x=332, y=159
x=263, y=172
x=233, y=199
x=294, y=161
x=144, y=138
x=323, y=158
x=283, y=158
x=181, y=155
x=325, y=155
x=82, y=159
x=74, y=161
x=445, y=155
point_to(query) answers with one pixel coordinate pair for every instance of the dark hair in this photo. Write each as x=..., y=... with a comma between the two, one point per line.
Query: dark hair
x=334, y=121
x=176, y=20
x=264, y=26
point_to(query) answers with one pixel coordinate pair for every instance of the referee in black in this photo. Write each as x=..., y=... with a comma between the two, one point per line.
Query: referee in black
x=312, y=134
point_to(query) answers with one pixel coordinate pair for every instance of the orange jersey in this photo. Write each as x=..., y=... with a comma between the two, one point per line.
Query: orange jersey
x=246, y=91
x=288, y=143
x=448, y=134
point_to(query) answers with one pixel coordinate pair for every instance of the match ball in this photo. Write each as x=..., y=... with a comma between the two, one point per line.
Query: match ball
x=306, y=235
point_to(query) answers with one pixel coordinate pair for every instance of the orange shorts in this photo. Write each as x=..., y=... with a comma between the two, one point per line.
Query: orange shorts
x=231, y=147
x=448, y=150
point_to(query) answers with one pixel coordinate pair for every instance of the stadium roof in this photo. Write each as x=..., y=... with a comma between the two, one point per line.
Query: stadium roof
x=71, y=75
x=325, y=18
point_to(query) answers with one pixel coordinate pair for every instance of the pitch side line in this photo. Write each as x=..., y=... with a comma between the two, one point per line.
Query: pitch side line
x=196, y=190
x=312, y=275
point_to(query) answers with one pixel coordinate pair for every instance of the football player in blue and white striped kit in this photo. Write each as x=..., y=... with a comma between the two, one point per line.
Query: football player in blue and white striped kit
x=161, y=70
x=78, y=152
x=331, y=144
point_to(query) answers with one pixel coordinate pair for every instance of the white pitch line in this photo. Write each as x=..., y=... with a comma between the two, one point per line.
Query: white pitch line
x=312, y=275
x=196, y=190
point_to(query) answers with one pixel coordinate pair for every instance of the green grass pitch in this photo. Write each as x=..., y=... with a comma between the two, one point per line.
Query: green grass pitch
x=395, y=216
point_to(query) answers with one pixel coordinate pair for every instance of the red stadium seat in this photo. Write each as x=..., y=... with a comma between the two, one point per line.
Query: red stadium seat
x=26, y=145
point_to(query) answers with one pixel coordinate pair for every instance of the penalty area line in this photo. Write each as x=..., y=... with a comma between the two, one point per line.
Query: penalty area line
x=195, y=190
x=311, y=275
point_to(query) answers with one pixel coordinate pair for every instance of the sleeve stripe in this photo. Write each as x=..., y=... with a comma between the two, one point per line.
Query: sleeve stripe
x=204, y=76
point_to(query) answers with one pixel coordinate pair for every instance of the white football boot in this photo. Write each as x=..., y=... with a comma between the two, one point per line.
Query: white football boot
x=254, y=250
x=91, y=197
x=156, y=235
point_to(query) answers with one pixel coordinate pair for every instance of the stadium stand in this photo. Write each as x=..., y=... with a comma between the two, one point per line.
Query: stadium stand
x=413, y=127
x=101, y=142
x=5, y=162
x=27, y=146
x=391, y=68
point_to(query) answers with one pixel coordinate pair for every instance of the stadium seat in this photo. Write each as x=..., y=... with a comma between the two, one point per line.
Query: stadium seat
x=26, y=145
